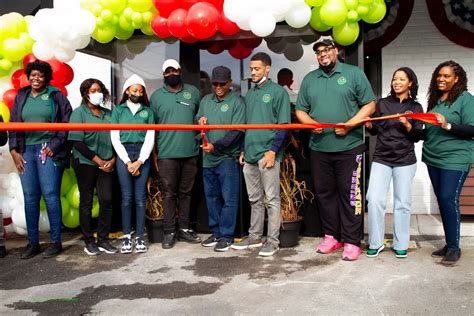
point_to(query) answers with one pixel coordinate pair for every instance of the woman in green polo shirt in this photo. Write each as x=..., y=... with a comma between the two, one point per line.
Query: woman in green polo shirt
x=133, y=149
x=448, y=153
x=94, y=162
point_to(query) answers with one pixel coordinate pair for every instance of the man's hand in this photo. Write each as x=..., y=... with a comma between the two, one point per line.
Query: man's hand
x=19, y=161
x=209, y=148
x=342, y=130
x=202, y=120
x=269, y=159
x=241, y=159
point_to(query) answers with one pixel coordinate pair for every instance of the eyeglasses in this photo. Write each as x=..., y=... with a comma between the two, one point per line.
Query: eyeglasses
x=219, y=84
x=323, y=51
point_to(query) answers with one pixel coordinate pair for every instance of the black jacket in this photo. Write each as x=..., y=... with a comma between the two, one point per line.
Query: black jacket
x=62, y=111
x=3, y=135
x=395, y=146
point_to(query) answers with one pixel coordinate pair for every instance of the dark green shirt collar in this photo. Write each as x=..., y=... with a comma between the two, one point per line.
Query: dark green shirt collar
x=339, y=68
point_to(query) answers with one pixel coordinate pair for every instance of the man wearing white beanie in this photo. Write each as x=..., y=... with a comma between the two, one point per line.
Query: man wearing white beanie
x=176, y=103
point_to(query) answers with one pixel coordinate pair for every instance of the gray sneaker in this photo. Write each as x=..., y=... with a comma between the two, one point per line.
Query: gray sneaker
x=247, y=242
x=268, y=249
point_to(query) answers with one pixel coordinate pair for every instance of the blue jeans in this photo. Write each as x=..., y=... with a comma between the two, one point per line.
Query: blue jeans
x=447, y=186
x=380, y=177
x=41, y=179
x=133, y=189
x=222, y=190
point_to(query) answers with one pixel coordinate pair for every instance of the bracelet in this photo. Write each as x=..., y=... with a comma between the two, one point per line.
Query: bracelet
x=448, y=127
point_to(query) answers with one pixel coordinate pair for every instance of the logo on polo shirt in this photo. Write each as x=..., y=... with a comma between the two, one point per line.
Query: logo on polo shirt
x=187, y=95
x=341, y=81
x=408, y=112
x=45, y=97
x=224, y=107
x=266, y=98
x=107, y=118
x=143, y=114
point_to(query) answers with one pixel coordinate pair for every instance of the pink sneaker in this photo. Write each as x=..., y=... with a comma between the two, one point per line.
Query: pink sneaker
x=351, y=252
x=328, y=245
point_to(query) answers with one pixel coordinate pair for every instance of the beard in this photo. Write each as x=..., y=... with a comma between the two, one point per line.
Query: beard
x=328, y=68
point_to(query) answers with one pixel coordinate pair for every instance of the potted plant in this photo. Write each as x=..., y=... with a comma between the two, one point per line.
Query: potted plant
x=293, y=193
x=155, y=210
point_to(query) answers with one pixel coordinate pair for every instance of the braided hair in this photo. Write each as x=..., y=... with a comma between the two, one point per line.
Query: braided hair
x=459, y=87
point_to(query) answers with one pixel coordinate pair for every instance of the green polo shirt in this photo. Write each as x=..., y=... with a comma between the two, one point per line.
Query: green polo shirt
x=176, y=108
x=38, y=109
x=97, y=141
x=266, y=104
x=122, y=115
x=441, y=148
x=335, y=98
x=230, y=110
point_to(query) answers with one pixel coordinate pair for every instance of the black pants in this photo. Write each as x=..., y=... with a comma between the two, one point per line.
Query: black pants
x=88, y=179
x=177, y=181
x=336, y=178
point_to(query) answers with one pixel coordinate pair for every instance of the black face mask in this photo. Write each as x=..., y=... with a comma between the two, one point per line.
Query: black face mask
x=173, y=80
x=136, y=98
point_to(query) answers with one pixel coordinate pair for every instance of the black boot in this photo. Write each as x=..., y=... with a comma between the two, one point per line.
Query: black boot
x=54, y=249
x=440, y=252
x=168, y=241
x=188, y=235
x=451, y=257
x=31, y=250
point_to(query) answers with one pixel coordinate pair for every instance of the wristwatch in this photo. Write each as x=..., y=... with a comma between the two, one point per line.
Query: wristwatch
x=448, y=127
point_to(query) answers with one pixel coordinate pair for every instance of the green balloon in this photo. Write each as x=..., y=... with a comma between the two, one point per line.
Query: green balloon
x=125, y=24
x=352, y=16
x=42, y=205
x=369, y=2
x=104, y=34
x=314, y=3
x=106, y=15
x=65, y=206
x=13, y=49
x=122, y=34
x=66, y=183
x=147, y=30
x=95, y=207
x=73, y=196
x=363, y=9
x=315, y=21
x=333, y=12
x=352, y=4
x=346, y=34
x=140, y=5
x=376, y=13
x=116, y=6
x=71, y=220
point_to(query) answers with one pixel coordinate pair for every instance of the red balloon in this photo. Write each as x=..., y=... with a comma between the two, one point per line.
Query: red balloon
x=227, y=44
x=189, y=39
x=29, y=59
x=165, y=7
x=58, y=70
x=202, y=20
x=215, y=49
x=177, y=23
x=9, y=97
x=7, y=221
x=251, y=42
x=217, y=3
x=186, y=4
x=63, y=89
x=16, y=78
x=226, y=26
x=159, y=25
x=240, y=52
x=68, y=74
x=24, y=81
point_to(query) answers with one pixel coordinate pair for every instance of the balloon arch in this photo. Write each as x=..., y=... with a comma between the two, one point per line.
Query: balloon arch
x=54, y=35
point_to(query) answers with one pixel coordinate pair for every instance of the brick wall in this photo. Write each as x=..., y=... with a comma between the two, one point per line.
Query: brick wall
x=422, y=47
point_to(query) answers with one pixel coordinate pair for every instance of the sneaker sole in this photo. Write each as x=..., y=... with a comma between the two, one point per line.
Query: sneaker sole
x=349, y=259
x=267, y=254
x=222, y=249
x=379, y=250
x=141, y=251
x=401, y=256
x=107, y=251
x=209, y=245
x=126, y=251
x=246, y=247
x=190, y=241
x=91, y=253
x=328, y=252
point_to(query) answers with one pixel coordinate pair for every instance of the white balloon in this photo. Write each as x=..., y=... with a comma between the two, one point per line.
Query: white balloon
x=279, y=8
x=84, y=40
x=20, y=230
x=84, y=23
x=64, y=55
x=18, y=218
x=262, y=24
x=298, y=16
x=41, y=51
x=44, y=222
x=244, y=25
x=6, y=209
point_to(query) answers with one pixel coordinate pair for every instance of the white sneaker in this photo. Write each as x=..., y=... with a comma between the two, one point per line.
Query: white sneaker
x=126, y=244
x=140, y=245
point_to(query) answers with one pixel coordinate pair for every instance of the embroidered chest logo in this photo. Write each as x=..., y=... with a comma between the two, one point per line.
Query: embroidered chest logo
x=341, y=81
x=408, y=112
x=107, y=118
x=224, y=107
x=45, y=97
x=266, y=98
x=143, y=114
x=187, y=95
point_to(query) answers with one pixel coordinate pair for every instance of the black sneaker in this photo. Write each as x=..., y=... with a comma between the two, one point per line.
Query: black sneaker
x=222, y=245
x=168, y=241
x=91, y=249
x=440, y=252
x=451, y=257
x=3, y=251
x=54, y=249
x=105, y=246
x=31, y=250
x=211, y=241
x=188, y=235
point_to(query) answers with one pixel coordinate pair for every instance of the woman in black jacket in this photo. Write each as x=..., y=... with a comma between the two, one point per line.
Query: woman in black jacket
x=40, y=156
x=3, y=251
x=394, y=158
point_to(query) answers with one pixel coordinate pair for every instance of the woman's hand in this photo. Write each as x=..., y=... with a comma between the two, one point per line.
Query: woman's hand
x=134, y=167
x=48, y=152
x=442, y=120
x=19, y=161
x=405, y=123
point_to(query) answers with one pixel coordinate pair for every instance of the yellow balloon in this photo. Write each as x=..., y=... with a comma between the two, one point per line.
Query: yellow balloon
x=116, y=6
x=13, y=49
x=4, y=112
x=346, y=33
x=140, y=5
x=376, y=13
x=104, y=34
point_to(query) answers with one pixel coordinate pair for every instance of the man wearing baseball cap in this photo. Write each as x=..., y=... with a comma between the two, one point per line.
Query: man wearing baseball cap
x=176, y=103
x=336, y=93
x=221, y=171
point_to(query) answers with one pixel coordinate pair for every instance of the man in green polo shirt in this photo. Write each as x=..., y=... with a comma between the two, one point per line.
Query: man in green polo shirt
x=336, y=93
x=176, y=103
x=221, y=171
x=266, y=103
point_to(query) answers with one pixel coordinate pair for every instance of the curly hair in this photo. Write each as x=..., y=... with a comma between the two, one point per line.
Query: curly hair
x=145, y=102
x=87, y=84
x=413, y=91
x=42, y=67
x=459, y=87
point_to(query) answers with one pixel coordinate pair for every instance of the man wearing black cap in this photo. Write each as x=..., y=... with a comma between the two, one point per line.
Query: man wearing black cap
x=220, y=158
x=336, y=93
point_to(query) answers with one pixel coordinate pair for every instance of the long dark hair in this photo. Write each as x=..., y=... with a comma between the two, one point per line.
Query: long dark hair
x=87, y=84
x=42, y=67
x=145, y=102
x=413, y=91
x=459, y=87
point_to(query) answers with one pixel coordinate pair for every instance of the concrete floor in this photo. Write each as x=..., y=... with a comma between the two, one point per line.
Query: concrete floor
x=192, y=280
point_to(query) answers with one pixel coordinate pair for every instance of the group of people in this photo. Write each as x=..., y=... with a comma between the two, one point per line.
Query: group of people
x=334, y=93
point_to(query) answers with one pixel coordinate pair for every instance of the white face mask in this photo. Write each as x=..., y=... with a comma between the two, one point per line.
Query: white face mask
x=96, y=98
